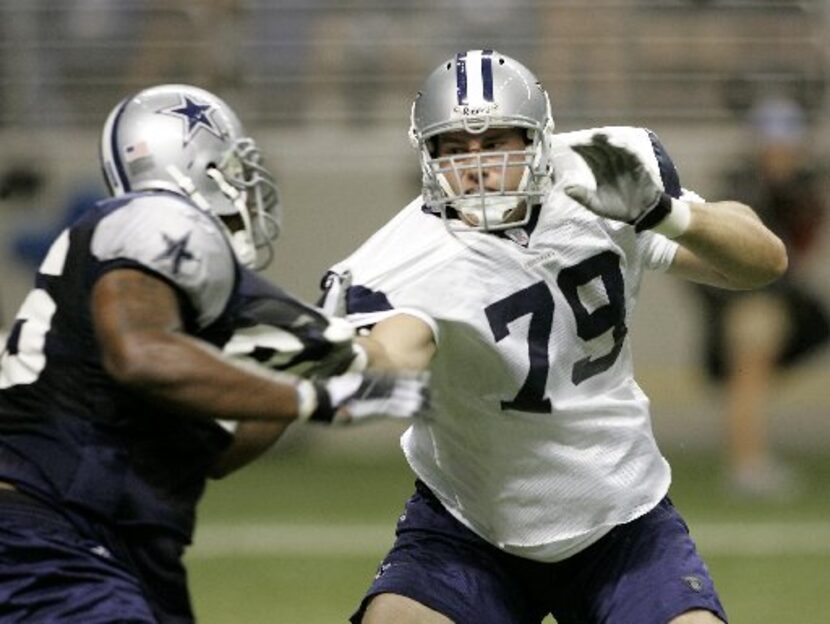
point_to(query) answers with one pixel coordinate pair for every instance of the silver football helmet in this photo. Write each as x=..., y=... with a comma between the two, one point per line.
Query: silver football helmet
x=472, y=92
x=186, y=140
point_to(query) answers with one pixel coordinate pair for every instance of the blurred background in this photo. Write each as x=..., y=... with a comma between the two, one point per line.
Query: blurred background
x=736, y=90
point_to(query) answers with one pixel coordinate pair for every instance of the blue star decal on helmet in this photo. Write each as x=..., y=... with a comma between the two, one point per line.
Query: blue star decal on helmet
x=195, y=115
x=177, y=251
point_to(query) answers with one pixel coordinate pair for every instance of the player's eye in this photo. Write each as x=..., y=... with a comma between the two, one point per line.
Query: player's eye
x=452, y=150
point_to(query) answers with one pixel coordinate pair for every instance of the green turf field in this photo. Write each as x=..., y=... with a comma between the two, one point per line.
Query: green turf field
x=296, y=538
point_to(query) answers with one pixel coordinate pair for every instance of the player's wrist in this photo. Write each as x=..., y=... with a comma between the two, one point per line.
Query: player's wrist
x=677, y=221
x=669, y=216
x=313, y=402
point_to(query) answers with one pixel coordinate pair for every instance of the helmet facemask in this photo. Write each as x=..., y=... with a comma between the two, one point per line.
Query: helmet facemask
x=487, y=207
x=254, y=198
x=251, y=211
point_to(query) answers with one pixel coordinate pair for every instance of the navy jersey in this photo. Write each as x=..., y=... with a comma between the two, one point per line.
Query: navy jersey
x=68, y=432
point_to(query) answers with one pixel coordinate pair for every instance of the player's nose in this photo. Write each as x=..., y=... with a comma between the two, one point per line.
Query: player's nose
x=474, y=178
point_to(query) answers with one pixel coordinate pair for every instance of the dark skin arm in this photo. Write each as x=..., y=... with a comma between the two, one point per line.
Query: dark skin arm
x=251, y=439
x=140, y=333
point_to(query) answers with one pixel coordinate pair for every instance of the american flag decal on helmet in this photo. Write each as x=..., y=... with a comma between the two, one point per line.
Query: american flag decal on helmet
x=474, y=77
x=136, y=151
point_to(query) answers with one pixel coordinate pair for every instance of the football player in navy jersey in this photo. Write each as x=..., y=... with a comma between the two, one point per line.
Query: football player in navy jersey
x=148, y=357
x=540, y=487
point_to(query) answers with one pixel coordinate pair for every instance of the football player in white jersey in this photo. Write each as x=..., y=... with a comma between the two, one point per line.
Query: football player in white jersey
x=540, y=488
x=146, y=333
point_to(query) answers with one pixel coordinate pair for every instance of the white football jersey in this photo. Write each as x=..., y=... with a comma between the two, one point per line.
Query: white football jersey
x=538, y=439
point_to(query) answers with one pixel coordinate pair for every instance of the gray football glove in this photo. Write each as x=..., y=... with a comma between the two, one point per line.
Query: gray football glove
x=359, y=396
x=625, y=190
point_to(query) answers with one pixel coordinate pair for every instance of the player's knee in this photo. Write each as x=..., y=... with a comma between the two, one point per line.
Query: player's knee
x=698, y=616
x=395, y=609
x=756, y=325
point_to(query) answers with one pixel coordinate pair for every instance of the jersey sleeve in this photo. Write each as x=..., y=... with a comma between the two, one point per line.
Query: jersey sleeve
x=170, y=237
x=658, y=251
x=363, y=307
x=368, y=291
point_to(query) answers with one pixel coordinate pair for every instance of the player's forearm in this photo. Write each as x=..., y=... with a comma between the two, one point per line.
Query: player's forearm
x=251, y=439
x=138, y=327
x=731, y=238
x=193, y=378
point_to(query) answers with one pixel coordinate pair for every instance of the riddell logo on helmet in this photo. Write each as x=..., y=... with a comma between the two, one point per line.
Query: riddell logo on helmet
x=474, y=111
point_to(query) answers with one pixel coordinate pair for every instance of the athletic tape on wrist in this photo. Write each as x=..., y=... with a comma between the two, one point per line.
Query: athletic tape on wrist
x=669, y=217
x=677, y=221
x=306, y=399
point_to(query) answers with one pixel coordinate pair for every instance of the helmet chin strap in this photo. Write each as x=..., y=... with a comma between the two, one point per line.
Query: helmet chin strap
x=186, y=184
x=243, y=247
x=242, y=240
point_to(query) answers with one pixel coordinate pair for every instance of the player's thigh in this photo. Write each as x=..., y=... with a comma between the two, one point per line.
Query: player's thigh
x=697, y=616
x=395, y=609
x=48, y=567
x=438, y=564
x=647, y=570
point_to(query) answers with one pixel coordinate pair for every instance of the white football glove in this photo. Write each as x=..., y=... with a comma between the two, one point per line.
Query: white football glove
x=625, y=190
x=359, y=396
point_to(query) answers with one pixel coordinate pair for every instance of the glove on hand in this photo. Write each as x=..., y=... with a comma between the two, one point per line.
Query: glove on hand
x=358, y=396
x=625, y=190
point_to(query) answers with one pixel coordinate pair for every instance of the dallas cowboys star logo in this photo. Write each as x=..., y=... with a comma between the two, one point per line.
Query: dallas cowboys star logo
x=177, y=251
x=195, y=115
